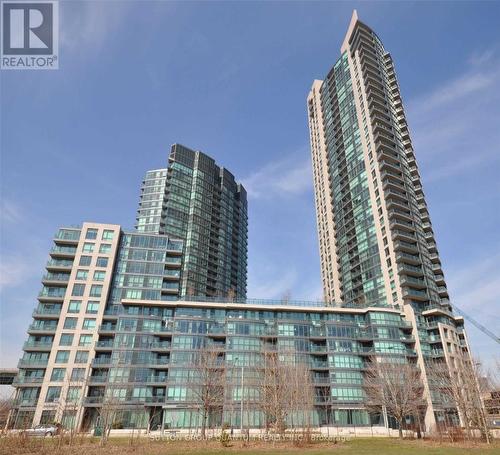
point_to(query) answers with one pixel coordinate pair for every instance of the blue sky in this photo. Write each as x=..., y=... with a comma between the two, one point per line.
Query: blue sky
x=231, y=79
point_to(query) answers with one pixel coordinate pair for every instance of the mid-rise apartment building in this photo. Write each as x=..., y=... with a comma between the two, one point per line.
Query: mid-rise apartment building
x=377, y=245
x=111, y=332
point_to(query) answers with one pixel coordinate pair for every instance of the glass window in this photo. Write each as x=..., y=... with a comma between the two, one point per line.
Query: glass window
x=73, y=394
x=62, y=356
x=85, y=261
x=96, y=290
x=66, y=339
x=53, y=393
x=88, y=247
x=81, y=356
x=82, y=274
x=88, y=324
x=102, y=262
x=91, y=234
x=78, y=290
x=99, y=276
x=85, y=340
x=105, y=248
x=58, y=374
x=74, y=306
x=70, y=323
x=78, y=374
x=107, y=234
x=92, y=307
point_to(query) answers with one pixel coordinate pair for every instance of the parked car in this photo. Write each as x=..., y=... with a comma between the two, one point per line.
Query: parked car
x=43, y=430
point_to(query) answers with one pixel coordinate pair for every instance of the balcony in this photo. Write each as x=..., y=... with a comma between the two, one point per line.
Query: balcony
x=410, y=269
x=41, y=328
x=59, y=264
x=414, y=282
x=104, y=344
x=170, y=286
x=63, y=251
x=37, y=345
x=67, y=236
x=27, y=402
x=99, y=379
x=172, y=273
x=173, y=261
x=108, y=328
x=28, y=380
x=33, y=363
x=52, y=294
x=48, y=312
x=100, y=361
x=415, y=294
x=55, y=278
x=93, y=400
x=414, y=258
x=318, y=364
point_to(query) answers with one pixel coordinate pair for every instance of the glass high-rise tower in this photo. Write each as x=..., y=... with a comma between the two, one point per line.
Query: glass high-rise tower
x=196, y=200
x=377, y=245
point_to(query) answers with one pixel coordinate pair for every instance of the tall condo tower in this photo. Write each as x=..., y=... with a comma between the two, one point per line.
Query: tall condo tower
x=197, y=201
x=376, y=241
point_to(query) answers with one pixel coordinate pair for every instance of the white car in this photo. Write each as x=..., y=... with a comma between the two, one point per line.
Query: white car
x=43, y=430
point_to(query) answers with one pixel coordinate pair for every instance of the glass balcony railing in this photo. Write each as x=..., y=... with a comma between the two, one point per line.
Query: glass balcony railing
x=37, y=344
x=67, y=234
x=41, y=310
x=42, y=327
x=52, y=292
x=62, y=277
x=57, y=249
x=60, y=263
x=33, y=362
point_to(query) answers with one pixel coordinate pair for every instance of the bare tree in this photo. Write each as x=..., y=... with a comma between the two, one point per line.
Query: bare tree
x=206, y=384
x=394, y=388
x=285, y=389
x=460, y=388
x=6, y=405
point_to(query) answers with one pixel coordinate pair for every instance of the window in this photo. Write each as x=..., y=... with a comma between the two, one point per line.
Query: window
x=105, y=248
x=107, y=234
x=74, y=306
x=73, y=394
x=66, y=339
x=70, y=323
x=58, y=374
x=99, y=276
x=88, y=324
x=78, y=290
x=78, y=374
x=85, y=261
x=102, y=262
x=85, y=340
x=92, y=307
x=88, y=247
x=62, y=356
x=91, y=234
x=53, y=394
x=82, y=274
x=81, y=356
x=177, y=393
x=96, y=290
